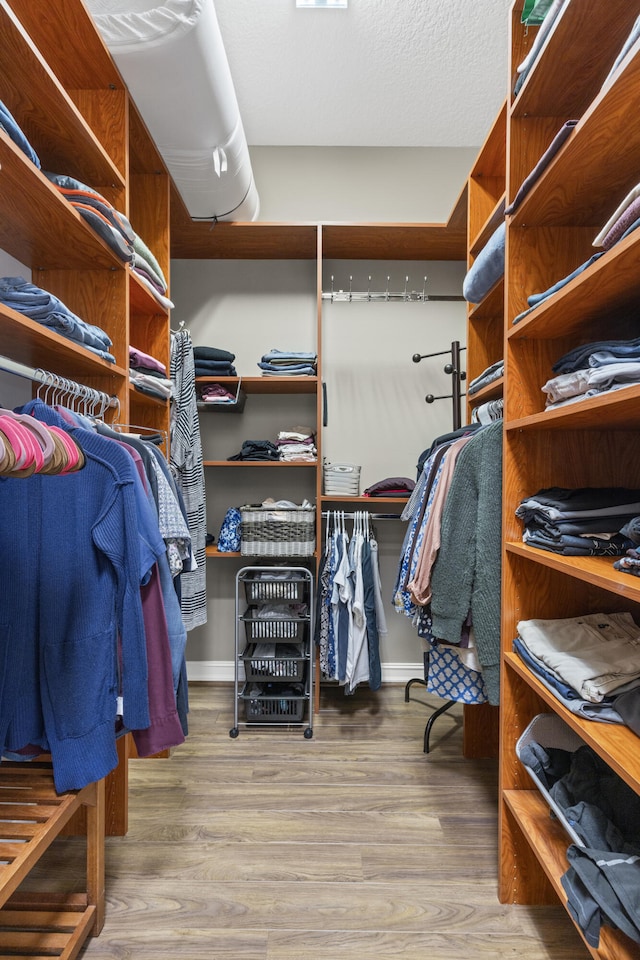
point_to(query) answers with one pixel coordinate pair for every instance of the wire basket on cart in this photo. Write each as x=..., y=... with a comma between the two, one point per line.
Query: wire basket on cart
x=272, y=703
x=285, y=627
x=268, y=587
x=277, y=531
x=279, y=661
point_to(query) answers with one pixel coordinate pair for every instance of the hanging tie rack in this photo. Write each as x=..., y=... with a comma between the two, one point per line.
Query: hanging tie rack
x=386, y=296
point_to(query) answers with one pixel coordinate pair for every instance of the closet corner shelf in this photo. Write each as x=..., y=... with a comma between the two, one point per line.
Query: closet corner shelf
x=212, y=552
x=266, y=385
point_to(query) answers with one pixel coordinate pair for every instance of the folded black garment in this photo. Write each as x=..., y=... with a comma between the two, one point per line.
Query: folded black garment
x=213, y=353
x=391, y=487
x=257, y=450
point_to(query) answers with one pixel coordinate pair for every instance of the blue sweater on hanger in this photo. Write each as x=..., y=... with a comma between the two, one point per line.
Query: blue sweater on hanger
x=74, y=551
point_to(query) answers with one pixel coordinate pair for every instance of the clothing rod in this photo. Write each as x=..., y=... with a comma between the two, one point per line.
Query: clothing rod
x=369, y=296
x=38, y=375
x=351, y=516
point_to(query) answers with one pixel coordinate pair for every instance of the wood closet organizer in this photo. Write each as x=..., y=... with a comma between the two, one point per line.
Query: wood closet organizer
x=590, y=443
x=59, y=82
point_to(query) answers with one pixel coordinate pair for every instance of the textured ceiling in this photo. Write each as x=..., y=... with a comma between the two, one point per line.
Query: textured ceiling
x=400, y=73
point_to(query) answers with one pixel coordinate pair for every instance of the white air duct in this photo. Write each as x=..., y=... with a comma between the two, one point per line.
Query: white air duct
x=172, y=58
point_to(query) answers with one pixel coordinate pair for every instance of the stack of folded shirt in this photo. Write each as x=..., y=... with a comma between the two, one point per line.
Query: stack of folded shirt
x=288, y=363
x=591, y=369
x=214, y=362
x=149, y=375
x=579, y=522
x=15, y=132
x=590, y=663
x=111, y=225
x=48, y=310
x=257, y=450
x=297, y=443
x=148, y=270
x=492, y=372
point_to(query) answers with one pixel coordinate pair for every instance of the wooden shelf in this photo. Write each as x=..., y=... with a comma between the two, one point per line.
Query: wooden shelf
x=54, y=126
x=492, y=223
x=598, y=571
x=616, y=744
x=549, y=843
x=491, y=306
x=608, y=284
x=614, y=410
x=38, y=226
x=265, y=385
x=546, y=91
x=491, y=392
x=566, y=193
x=278, y=464
x=33, y=815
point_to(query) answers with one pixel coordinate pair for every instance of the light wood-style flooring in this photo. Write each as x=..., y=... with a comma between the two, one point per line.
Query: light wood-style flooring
x=353, y=845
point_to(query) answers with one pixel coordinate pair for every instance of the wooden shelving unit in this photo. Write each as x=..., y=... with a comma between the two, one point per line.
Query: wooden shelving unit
x=590, y=443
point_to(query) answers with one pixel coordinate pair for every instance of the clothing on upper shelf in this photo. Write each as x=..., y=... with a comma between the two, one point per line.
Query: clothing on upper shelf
x=525, y=67
x=111, y=225
x=493, y=372
x=349, y=609
x=151, y=384
x=45, y=308
x=626, y=47
x=554, y=147
x=214, y=368
x=487, y=268
x=15, y=132
x=288, y=363
x=623, y=217
x=188, y=469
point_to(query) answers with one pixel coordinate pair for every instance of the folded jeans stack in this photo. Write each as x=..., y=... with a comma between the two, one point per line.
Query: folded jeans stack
x=288, y=363
x=591, y=369
x=45, y=308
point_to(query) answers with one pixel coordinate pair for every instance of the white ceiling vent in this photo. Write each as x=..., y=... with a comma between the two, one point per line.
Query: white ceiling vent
x=172, y=58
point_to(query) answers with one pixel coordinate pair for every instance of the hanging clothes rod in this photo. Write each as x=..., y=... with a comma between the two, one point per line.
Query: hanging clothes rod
x=369, y=296
x=56, y=382
x=351, y=516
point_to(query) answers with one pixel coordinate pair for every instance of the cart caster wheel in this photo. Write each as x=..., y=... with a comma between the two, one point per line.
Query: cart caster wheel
x=308, y=733
x=233, y=733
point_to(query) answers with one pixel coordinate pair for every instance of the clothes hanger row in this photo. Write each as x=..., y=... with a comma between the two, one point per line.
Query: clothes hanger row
x=28, y=446
x=56, y=390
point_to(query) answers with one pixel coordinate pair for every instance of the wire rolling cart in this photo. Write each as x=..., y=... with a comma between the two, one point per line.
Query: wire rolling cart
x=274, y=655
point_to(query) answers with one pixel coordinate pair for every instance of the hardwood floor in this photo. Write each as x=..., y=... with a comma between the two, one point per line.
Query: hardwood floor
x=353, y=845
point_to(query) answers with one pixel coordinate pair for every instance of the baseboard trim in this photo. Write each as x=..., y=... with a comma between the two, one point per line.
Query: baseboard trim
x=211, y=671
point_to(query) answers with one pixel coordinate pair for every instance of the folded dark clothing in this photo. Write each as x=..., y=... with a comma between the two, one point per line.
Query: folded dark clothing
x=213, y=353
x=578, y=358
x=391, y=486
x=149, y=391
x=257, y=450
x=568, y=546
x=148, y=372
x=221, y=370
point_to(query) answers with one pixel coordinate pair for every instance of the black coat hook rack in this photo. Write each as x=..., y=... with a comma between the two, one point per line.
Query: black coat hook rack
x=457, y=376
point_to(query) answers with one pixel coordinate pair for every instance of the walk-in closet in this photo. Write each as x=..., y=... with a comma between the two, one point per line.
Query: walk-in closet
x=319, y=381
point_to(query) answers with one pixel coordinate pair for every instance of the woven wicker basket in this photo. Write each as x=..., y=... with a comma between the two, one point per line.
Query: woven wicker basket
x=277, y=532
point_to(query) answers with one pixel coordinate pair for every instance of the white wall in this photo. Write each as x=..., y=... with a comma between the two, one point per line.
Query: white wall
x=360, y=184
